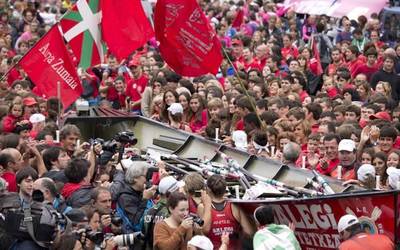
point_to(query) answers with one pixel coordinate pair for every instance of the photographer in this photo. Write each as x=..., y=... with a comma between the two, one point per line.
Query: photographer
x=78, y=189
x=132, y=197
x=51, y=195
x=159, y=211
x=175, y=231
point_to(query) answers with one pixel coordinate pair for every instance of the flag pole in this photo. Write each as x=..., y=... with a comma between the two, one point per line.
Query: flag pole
x=59, y=102
x=263, y=125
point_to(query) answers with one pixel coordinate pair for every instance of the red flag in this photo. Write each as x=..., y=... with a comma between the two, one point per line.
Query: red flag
x=315, y=62
x=47, y=63
x=125, y=26
x=237, y=22
x=187, y=42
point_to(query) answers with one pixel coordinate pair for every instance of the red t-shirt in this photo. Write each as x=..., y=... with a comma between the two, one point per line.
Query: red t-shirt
x=365, y=69
x=332, y=164
x=135, y=88
x=9, y=177
x=364, y=241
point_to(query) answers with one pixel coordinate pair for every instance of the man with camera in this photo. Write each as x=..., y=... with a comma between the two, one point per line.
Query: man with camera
x=50, y=194
x=133, y=197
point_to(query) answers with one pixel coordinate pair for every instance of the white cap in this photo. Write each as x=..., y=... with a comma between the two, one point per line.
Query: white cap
x=240, y=139
x=347, y=145
x=175, y=108
x=347, y=221
x=201, y=242
x=393, y=176
x=36, y=118
x=167, y=184
x=364, y=171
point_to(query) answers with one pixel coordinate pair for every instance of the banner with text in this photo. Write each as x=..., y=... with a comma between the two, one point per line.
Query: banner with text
x=316, y=219
x=48, y=63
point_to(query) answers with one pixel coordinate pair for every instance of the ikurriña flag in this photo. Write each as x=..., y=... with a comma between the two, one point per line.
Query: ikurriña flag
x=188, y=43
x=125, y=26
x=81, y=27
x=48, y=63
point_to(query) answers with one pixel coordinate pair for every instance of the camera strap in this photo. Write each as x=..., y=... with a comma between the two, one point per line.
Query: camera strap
x=28, y=220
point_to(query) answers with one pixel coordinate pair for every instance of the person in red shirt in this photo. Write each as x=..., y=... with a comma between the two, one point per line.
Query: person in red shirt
x=248, y=61
x=10, y=162
x=355, y=238
x=136, y=85
x=370, y=67
x=261, y=52
x=288, y=51
x=15, y=115
x=337, y=61
x=198, y=114
x=330, y=161
x=348, y=161
x=352, y=60
x=222, y=216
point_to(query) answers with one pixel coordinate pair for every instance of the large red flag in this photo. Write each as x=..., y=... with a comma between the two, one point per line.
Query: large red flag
x=47, y=63
x=187, y=42
x=125, y=26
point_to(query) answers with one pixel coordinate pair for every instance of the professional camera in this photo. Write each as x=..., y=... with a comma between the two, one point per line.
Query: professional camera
x=115, y=219
x=125, y=239
x=126, y=137
x=96, y=141
x=196, y=219
x=95, y=237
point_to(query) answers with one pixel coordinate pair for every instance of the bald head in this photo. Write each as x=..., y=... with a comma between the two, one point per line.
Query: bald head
x=47, y=187
x=291, y=152
x=16, y=157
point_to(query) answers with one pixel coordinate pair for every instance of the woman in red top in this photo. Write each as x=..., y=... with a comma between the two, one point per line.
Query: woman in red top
x=198, y=114
x=288, y=50
x=221, y=216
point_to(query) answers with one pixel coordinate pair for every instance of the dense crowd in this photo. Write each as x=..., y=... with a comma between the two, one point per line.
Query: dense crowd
x=310, y=91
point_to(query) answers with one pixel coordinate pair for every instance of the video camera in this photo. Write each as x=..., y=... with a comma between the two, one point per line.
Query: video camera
x=116, y=144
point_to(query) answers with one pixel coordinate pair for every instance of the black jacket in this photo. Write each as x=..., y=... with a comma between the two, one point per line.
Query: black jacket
x=391, y=78
x=132, y=203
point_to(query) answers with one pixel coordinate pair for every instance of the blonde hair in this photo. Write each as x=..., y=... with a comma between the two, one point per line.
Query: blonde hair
x=215, y=103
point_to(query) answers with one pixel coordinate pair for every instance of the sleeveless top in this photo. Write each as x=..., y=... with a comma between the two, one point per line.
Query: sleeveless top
x=224, y=221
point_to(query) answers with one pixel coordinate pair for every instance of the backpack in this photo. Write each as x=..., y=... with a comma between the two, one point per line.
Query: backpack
x=151, y=217
x=80, y=197
x=127, y=225
x=36, y=222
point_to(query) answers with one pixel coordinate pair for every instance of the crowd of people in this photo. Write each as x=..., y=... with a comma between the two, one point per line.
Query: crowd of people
x=313, y=92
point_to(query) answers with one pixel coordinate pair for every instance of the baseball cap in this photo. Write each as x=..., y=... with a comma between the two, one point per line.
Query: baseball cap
x=36, y=118
x=29, y=101
x=347, y=221
x=240, y=139
x=168, y=184
x=364, y=171
x=381, y=115
x=347, y=145
x=201, y=242
x=236, y=41
x=393, y=176
x=175, y=108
